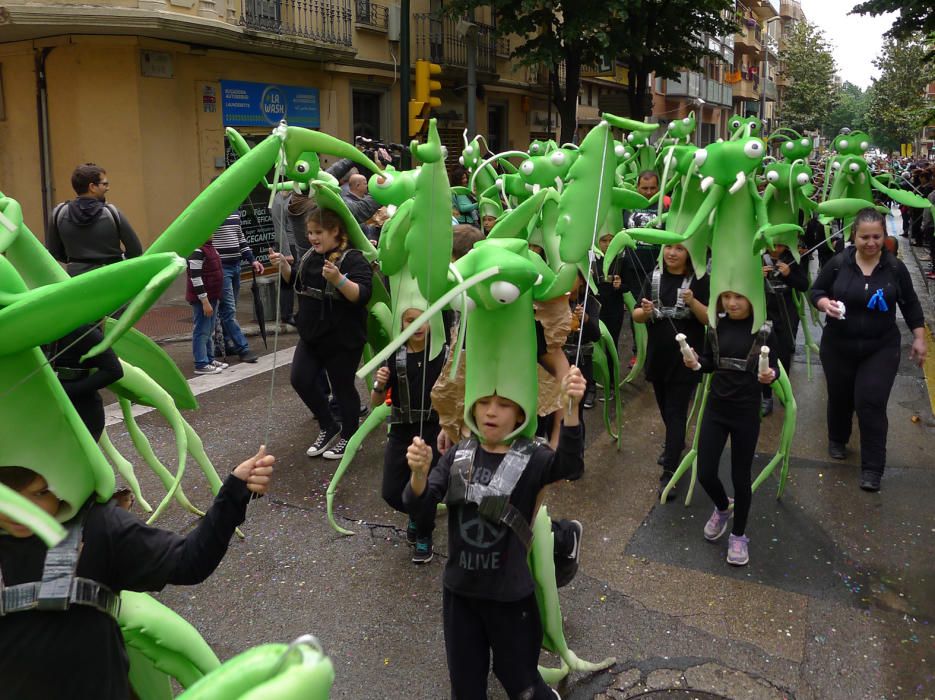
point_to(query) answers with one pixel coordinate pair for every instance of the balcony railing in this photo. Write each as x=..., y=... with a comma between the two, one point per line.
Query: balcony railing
x=695, y=85
x=326, y=21
x=372, y=15
x=503, y=47
x=438, y=41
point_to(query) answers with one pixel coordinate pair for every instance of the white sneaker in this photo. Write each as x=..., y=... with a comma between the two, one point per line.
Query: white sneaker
x=219, y=364
x=208, y=369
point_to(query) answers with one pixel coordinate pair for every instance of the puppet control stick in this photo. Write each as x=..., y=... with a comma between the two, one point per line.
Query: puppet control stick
x=764, y=359
x=686, y=350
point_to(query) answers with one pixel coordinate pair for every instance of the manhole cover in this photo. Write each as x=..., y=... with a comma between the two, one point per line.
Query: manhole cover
x=679, y=694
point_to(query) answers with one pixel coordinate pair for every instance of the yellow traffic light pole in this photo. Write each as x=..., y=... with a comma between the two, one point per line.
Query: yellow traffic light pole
x=424, y=100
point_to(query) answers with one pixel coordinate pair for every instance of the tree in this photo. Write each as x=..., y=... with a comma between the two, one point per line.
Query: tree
x=850, y=111
x=897, y=104
x=914, y=15
x=809, y=66
x=647, y=35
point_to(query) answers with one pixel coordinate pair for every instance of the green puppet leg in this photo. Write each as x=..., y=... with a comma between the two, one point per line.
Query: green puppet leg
x=542, y=566
x=640, y=337
x=810, y=346
x=377, y=416
x=124, y=469
x=783, y=390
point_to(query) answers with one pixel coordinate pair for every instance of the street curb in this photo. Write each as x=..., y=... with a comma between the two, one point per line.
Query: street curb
x=250, y=330
x=925, y=289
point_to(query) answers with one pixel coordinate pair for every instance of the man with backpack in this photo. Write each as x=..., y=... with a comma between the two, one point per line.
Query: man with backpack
x=87, y=232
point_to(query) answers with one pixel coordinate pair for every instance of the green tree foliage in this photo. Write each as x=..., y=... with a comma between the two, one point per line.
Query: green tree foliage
x=647, y=35
x=809, y=65
x=897, y=105
x=914, y=15
x=850, y=111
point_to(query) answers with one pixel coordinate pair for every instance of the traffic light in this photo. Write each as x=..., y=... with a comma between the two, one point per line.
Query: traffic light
x=424, y=101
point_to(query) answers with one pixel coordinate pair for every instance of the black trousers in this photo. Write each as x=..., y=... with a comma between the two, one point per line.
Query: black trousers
x=340, y=364
x=674, y=400
x=512, y=631
x=396, y=469
x=860, y=381
x=743, y=429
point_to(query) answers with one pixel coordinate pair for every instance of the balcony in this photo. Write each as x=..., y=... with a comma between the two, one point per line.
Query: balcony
x=771, y=93
x=326, y=21
x=791, y=9
x=716, y=93
x=746, y=90
x=747, y=40
x=688, y=85
x=437, y=41
x=372, y=16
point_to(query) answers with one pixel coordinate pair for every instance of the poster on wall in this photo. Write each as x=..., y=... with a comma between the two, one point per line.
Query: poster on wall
x=266, y=104
x=255, y=217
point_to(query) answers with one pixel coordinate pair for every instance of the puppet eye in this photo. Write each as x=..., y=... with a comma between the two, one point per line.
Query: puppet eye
x=864, y=145
x=701, y=155
x=789, y=146
x=735, y=124
x=504, y=292
x=461, y=160
x=527, y=167
x=670, y=126
x=802, y=178
x=384, y=180
x=534, y=148
x=469, y=151
x=467, y=304
x=620, y=151
x=557, y=158
x=772, y=176
x=806, y=142
x=301, y=167
x=843, y=143
x=853, y=167
x=836, y=165
x=754, y=126
x=630, y=138
x=753, y=149
x=686, y=120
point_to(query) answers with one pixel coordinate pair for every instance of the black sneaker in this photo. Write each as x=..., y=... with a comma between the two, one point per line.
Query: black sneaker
x=248, y=356
x=423, y=552
x=588, y=401
x=336, y=451
x=411, y=533
x=661, y=459
x=322, y=441
x=766, y=406
x=870, y=481
x=566, y=570
x=837, y=450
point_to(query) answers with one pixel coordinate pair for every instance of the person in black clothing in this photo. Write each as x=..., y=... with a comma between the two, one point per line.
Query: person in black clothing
x=333, y=283
x=860, y=343
x=732, y=353
x=673, y=301
x=83, y=380
x=610, y=290
x=87, y=232
x=79, y=652
x=585, y=331
x=489, y=601
x=782, y=276
x=409, y=378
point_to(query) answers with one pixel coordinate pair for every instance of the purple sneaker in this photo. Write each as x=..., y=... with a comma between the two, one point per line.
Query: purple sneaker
x=717, y=523
x=737, y=554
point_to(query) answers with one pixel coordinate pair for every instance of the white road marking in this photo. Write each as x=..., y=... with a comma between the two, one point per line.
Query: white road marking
x=203, y=383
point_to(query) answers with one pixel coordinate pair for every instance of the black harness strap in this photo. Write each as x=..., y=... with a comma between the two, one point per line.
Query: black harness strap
x=680, y=310
x=737, y=364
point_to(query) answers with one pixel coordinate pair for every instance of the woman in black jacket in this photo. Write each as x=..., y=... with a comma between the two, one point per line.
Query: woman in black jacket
x=859, y=290
x=333, y=283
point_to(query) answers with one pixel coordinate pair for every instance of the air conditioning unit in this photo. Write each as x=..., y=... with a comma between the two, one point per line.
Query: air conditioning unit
x=393, y=23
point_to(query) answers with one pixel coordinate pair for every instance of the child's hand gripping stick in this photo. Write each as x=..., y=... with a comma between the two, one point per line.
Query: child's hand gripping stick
x=687, y=353
x=764, y=359
x=841, y=309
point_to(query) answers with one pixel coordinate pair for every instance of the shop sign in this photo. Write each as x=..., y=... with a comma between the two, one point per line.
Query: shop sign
x=266, y=104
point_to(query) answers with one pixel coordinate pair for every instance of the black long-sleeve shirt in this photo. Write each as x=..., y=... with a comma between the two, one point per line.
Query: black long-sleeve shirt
x=863, y=329
x=740, y=389
x=486, y=560
x=340, y=322
x=79, y=653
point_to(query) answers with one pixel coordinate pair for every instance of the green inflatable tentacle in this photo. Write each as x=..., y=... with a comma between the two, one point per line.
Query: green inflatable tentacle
x=783, y=390
x=377, y=416
x=25, y=512
x=124, y=469
x=640, y=338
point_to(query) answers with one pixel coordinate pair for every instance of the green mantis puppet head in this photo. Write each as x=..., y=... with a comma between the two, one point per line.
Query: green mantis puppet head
x=302, y=147
x=742, y=127
x=729, y=163
x=681, y=129
x=541, y=148
x=788, y=176
x=795, y=148
x=852, y=143
x=392, y=187
x=548, y=170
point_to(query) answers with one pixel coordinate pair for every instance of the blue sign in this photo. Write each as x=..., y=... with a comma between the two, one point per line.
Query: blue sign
x=265, y=104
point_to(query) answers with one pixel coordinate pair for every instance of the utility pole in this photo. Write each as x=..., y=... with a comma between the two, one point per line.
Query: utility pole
x=405, y=81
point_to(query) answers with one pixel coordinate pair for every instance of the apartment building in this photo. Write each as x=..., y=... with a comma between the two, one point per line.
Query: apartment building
x=146, y=88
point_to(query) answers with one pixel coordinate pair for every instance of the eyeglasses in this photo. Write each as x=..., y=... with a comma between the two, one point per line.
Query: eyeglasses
x=103, y=183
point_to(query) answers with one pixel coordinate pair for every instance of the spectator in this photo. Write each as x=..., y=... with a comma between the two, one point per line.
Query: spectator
x=232, y=247
x=87, y=232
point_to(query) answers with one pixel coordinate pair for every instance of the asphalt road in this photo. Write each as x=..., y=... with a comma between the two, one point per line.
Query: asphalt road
x=838, y=600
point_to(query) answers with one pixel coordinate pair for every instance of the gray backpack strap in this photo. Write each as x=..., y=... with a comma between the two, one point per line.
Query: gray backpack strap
x=114, y=217
x=656, y=280
x=460, y=473
x=680, y=310
x=402, y=387
x=494, y=499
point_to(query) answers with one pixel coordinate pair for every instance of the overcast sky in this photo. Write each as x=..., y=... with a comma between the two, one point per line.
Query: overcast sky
x=855, y=39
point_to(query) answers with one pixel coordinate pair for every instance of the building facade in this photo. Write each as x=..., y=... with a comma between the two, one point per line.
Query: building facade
x=145, y=88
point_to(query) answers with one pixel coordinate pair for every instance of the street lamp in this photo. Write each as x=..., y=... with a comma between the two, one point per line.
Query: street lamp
x=698, y=123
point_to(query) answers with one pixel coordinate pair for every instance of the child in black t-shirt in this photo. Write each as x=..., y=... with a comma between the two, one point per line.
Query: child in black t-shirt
x=732, y=353
x=114, y=551
x=489, y=601
x=409, y=378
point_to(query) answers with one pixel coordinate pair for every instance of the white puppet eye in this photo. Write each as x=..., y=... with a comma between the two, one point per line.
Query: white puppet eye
x=461, y=160
x=754, y=126
x=444, y=152
x=670, y=126
x=753, y=149
x=772, y=176
x=384, y=180
x=735, y=124
x=534, y=148
x=557, y=158
x=630, y=138
x=843, y=143
x=467, y=304
x=301, y=167
x=805, y=142
x=620, y=151
x=701, y=155
x=504, y=292
x=527, y=167
x=789, y=146
x=853, y=167
x=864, y=145
x=686, y=120
x=802, y=178
x=836, y=165
x=469, y=150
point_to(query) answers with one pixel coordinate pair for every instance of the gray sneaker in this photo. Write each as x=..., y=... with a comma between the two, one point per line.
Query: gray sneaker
x=737, y=550
x=717, y=523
